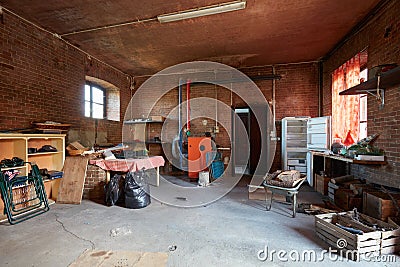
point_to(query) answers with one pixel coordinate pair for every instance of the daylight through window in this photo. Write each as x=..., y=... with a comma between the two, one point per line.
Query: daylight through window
x=94, y=101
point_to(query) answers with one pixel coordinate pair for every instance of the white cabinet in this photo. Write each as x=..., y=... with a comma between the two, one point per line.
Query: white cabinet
x=301, y=135
x=294, y=144
x=319, y=133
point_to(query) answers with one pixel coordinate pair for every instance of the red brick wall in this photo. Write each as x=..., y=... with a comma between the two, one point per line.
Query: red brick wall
x=296, y=95
x=94, y=184
x=385, y=121
x=42, y=78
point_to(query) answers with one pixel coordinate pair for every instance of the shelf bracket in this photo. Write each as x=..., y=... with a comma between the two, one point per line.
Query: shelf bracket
x=380, y=93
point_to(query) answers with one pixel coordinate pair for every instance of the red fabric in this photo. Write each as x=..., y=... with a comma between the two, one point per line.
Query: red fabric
x=345, y=109
x=348, y=140
x=129, y=165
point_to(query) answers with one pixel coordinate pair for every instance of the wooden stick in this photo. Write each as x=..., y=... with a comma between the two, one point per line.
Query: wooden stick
x=342, y=179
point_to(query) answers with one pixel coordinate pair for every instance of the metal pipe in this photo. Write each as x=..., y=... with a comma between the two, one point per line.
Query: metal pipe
x=320, y=86
x=180, y=122
x=273, y=93
x=188, y=104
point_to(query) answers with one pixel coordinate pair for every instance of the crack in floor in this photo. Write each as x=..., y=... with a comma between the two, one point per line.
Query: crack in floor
x=73, y=234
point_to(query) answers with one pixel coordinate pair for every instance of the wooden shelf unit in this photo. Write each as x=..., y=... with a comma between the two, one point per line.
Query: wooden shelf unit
x=16, y=145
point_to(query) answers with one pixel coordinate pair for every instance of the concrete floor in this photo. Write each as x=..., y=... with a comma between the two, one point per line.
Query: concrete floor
x=229, y=232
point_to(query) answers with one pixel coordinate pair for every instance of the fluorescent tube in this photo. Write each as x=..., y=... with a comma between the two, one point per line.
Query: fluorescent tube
x=202, y=11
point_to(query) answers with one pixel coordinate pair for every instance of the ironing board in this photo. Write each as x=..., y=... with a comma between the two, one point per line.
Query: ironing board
x=287, y=191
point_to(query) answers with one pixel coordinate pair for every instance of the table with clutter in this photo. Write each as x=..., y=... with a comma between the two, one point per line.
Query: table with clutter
x=130, y=165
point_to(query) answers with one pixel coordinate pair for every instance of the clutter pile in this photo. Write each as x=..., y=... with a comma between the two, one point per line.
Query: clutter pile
x=284, y=178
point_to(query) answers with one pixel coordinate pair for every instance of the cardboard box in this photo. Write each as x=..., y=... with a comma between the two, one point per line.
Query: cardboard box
x=321, y=184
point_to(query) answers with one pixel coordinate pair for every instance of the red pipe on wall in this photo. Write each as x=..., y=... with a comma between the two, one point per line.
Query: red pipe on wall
x=188, y=103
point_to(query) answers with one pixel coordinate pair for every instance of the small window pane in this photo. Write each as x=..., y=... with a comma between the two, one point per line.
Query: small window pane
x=98, y=95
x=363, y=130
x=87, y=109
x=363, y=108
x=98, y=111
x=87, y=92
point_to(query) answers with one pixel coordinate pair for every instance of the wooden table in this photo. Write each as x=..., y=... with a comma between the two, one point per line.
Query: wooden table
x=130, y=165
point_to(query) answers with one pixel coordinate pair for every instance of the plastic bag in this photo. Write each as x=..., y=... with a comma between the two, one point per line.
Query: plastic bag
x=112, y=190
x=136, y=190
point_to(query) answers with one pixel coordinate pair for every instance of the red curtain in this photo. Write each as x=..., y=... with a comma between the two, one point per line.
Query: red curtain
x=345, y=109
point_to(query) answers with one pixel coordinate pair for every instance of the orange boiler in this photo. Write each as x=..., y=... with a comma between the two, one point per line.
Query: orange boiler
x=197, y=150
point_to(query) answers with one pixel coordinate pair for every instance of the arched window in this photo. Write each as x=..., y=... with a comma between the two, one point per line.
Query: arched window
x=102, y=99
x=94, y=101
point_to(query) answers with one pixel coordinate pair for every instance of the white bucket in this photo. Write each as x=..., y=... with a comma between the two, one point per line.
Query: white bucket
x=204, y=178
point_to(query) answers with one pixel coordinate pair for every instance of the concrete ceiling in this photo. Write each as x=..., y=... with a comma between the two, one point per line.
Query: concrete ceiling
x=266, y=32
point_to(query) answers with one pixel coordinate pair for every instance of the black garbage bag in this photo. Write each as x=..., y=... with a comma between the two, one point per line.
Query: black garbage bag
x=112, y=190
x=136, y=190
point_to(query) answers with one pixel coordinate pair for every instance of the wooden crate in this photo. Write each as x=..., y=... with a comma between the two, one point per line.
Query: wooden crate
x=390, y=240
x=321, y=184
x=331, y=190
x=347, y=200
x=379, y=205
x=369, y=242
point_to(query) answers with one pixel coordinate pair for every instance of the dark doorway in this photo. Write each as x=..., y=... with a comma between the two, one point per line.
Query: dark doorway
x=258, y=156
x=241, y=150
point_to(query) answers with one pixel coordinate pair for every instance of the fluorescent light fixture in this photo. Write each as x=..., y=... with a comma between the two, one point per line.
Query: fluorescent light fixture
x=202, y=11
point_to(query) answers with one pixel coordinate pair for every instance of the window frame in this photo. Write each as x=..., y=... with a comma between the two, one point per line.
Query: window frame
x=104, y=91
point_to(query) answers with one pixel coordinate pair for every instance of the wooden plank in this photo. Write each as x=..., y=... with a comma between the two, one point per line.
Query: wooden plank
x=348, y=252
x=333, y=186
x=71, y=185
x=391, y=241
x=390, y=250
x=333, y=235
